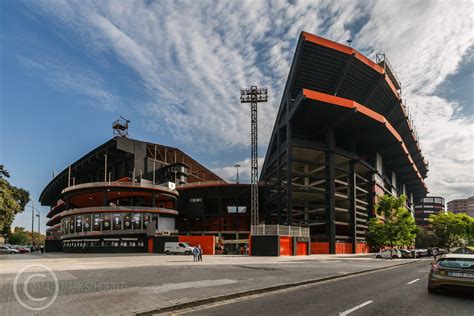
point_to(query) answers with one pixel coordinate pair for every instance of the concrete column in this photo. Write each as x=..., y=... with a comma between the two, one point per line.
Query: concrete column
x=352, y=206
x=331, y=189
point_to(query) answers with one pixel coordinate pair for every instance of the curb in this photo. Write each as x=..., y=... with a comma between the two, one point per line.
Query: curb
x=225, y=297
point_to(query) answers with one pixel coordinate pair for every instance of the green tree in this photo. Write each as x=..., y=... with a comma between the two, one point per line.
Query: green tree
x=395, y=226
x=12, y=201
x=19, y=237
x=426, y=239
x=451, y=228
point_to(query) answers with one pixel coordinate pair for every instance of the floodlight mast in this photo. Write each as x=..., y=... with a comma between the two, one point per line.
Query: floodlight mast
x=253, y=96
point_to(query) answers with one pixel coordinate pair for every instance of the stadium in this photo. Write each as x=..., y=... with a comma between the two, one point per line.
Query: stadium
x=342, y=137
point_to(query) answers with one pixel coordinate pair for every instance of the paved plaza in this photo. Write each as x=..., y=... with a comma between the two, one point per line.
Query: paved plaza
x=126, y=284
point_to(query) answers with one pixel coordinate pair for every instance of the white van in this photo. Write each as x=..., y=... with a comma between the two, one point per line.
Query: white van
x=178, y=248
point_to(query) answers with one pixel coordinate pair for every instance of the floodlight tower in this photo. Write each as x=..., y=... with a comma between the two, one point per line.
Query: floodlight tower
x=253, y=96
x=120, y=127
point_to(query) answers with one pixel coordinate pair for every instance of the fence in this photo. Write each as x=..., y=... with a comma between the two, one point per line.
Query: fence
x=279, y=230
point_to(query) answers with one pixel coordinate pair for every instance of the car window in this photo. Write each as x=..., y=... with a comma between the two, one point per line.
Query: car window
x=458, y=263
x=181, y=245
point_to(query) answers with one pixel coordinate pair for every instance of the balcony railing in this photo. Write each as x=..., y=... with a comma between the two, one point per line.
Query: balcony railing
x=118, y=184
x=279, y=230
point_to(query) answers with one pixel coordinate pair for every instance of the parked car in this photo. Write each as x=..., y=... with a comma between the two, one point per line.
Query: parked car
x=437, y=251
x=423, y=252
x=451, y=270
x=8, y=250
x=23, y=249
x=178, y=248
x=388, y=253
x=406, y=253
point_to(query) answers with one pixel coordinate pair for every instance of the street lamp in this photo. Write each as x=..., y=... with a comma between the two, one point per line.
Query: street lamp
x=33, y=209
x=237, y=196
x=237, y=169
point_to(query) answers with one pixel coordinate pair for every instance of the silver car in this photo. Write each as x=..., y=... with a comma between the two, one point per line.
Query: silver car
x=7, y=250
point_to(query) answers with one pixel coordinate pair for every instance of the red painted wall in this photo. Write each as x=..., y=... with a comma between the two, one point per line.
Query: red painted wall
x=301, y=248
x=319, y=248
x=286, y=248
x=343, y=248
x=208, y=243
x=362, y=248
x=150, y=244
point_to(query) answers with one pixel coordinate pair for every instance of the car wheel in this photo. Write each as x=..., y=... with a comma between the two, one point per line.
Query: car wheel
x=187, y=253
x=432, y=290
x=378, y=257
x=395, y=257
x=12, y=252
x=167, y=252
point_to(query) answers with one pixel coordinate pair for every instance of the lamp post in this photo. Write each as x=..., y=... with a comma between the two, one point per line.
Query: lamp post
x=39, y=220
x=33, y=209
x=237, y=170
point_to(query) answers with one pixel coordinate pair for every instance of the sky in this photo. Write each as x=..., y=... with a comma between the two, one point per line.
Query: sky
x=68, y=69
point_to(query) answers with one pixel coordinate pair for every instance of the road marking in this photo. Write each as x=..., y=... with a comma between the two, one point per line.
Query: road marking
x=413, y=281
x=347, y=312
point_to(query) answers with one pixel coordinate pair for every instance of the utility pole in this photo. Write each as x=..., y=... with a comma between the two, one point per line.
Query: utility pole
x=237, y=167
x=105, y=168
x=253, y=96
x=32, y=223
x=38, y=214
x=237, y=196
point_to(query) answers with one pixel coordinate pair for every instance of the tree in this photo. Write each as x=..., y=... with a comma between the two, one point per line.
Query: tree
x=426, y=239
x=12, y=201
x=395, y=225
x=451, y=228
x=19, y=237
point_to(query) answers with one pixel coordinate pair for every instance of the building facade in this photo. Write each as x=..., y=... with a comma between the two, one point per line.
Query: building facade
x=112, y=198
x=429, y=205
x=341, y=138
x=462, y=206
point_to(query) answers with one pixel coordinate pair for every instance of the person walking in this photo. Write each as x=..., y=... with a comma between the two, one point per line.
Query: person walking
x=199, y=253
x=195, y=253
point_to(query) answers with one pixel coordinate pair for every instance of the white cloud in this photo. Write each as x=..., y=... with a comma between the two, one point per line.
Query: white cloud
x=67, y=78
x=193, y=57
x=229, y=173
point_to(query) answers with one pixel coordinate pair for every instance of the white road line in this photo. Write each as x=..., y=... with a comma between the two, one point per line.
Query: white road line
x=347, y=312
x=413, y=281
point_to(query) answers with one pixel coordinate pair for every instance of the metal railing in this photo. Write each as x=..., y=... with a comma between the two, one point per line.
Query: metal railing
x=279, y=230
x=201, y=183
x=117, y=184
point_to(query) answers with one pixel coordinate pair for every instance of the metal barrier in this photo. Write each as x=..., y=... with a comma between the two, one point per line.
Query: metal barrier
x=279, y=230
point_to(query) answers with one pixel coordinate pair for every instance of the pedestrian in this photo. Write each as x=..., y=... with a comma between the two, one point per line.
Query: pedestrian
x=199, y=253
x=435, y=253
x=195, y=253
x=42, y=249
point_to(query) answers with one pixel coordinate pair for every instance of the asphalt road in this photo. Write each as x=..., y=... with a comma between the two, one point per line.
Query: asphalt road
x=397, y=291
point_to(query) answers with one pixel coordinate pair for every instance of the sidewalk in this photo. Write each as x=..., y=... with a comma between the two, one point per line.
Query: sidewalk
x=126, y=284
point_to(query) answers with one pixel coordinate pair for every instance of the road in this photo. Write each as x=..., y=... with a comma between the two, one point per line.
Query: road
x=396, y=291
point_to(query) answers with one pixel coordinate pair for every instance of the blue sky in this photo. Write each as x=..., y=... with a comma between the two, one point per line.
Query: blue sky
x=174, y=68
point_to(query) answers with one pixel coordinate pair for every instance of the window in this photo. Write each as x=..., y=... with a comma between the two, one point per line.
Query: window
x=106, y=223
x=137, y=221
x=146, y=219
x=96, y=220
x=117, y=221
x=87, y=222
x=127, y=221
x=71, y=225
